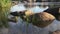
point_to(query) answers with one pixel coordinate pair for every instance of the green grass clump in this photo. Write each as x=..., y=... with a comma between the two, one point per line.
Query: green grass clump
x=4, y=11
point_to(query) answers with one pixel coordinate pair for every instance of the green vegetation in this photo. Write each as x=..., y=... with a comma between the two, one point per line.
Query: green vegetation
x=4, y=11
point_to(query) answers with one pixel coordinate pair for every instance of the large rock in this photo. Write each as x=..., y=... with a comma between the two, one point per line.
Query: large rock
x=41, y=19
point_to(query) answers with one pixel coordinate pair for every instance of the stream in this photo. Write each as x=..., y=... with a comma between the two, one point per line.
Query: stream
x=20, y=28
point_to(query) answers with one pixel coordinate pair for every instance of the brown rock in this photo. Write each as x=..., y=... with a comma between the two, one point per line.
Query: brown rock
x=42, y=19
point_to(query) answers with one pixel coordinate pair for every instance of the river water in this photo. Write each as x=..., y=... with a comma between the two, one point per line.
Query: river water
x=21, y=28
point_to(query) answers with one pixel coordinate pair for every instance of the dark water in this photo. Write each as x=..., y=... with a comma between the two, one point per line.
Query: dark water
x=21, y=28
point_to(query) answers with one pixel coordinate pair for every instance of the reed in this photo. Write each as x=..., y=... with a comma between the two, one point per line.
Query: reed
x=4, y=11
